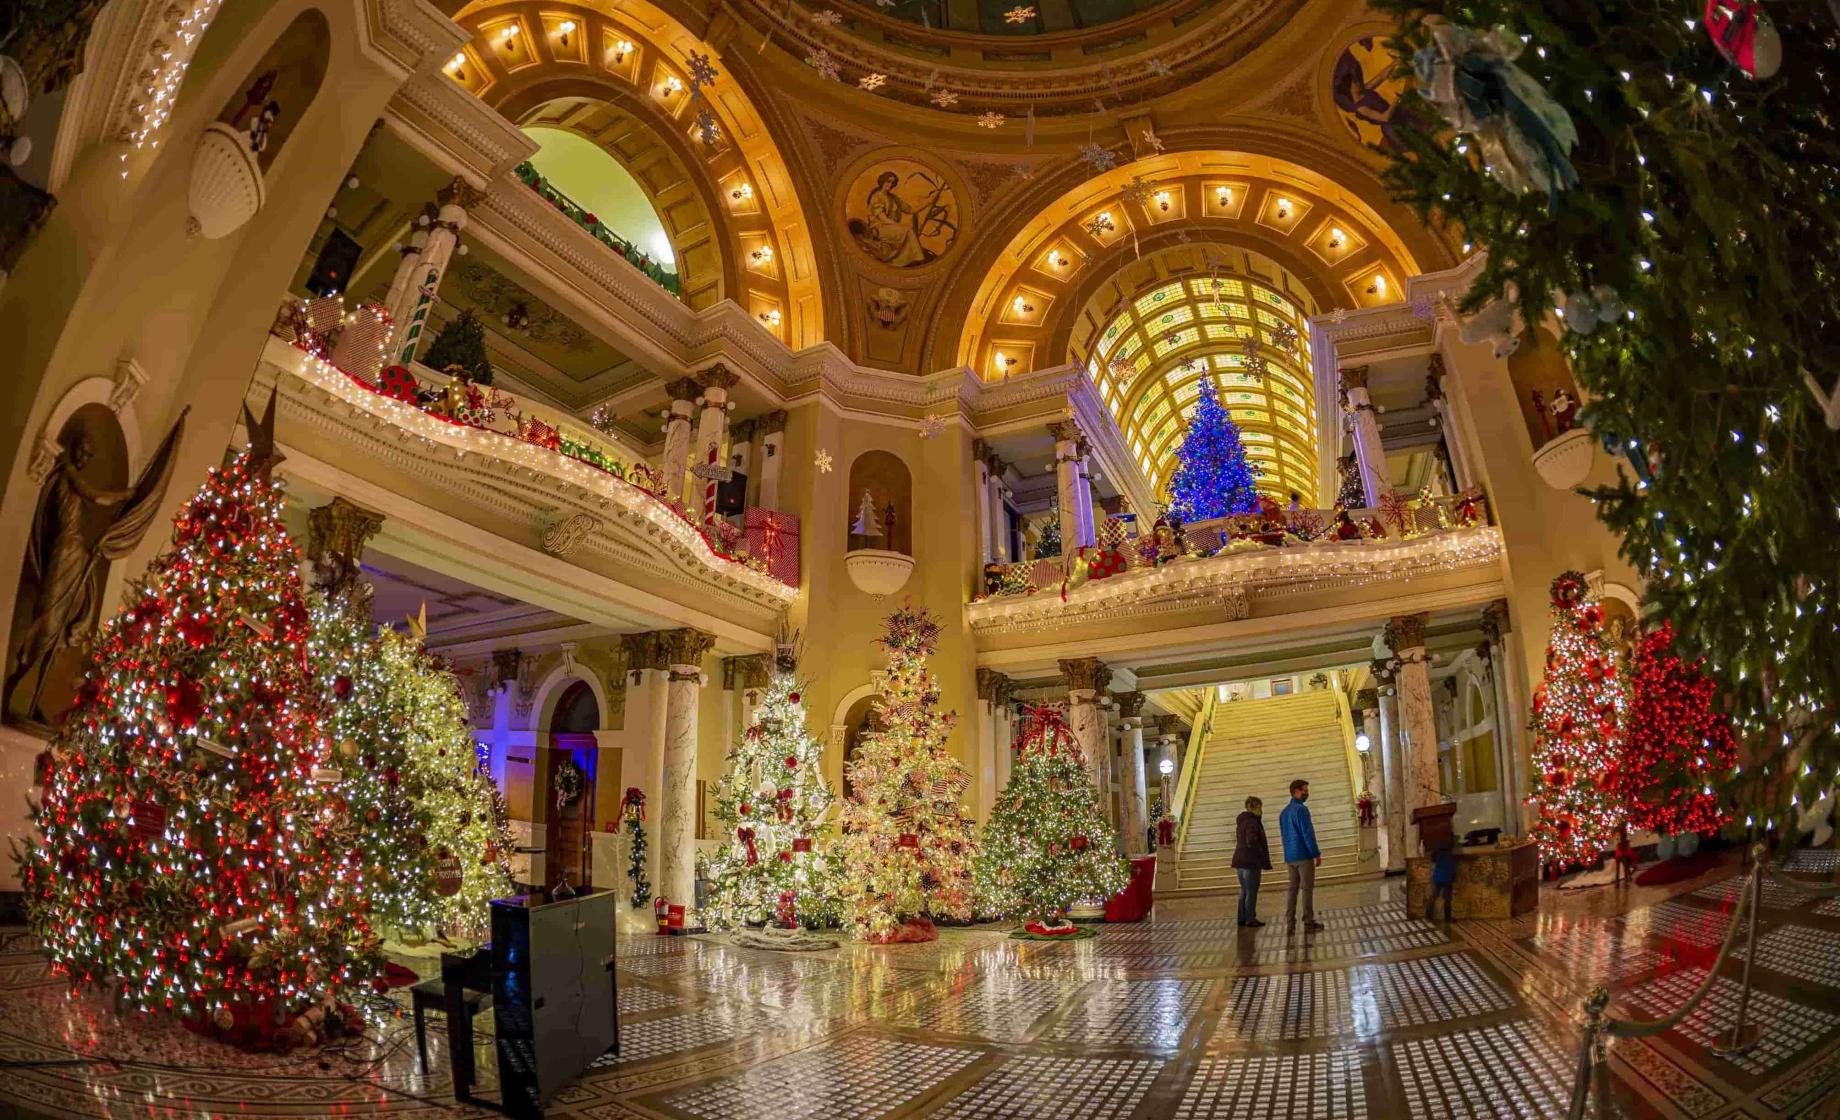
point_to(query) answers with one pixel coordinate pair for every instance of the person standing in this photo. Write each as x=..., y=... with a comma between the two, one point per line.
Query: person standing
x=1301, y=856
x=1443, y=878
x=1251, y=858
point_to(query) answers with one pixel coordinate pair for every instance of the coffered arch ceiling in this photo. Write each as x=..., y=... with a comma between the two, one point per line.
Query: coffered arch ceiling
x=612, y=74
x=1035, y=292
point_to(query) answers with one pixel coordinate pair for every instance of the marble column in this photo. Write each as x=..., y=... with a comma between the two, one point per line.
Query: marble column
x=993, y=690
x=1405, y=636
x=708, y=461
x=1373, y=770
x=1069, y=449
x=999, y=521
x=772, y=427
x=1369, y=455
x=683, y=651
x=676, y=462
x=980, y=470
x=1136, y=791
x=1393, y=770
x=1004, y=721
x=1445, y=696
x=1495, y=628
x=1435, y=376
x=413, y=290
x=1089, y=525
x=1086, y=678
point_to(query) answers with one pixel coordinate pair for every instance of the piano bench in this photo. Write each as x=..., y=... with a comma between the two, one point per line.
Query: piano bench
x=432, y=994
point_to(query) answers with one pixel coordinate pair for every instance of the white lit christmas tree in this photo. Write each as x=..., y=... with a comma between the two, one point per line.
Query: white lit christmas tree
x=196, y=855
x=1579, y=716
x=771, y=801
x=1046, y=845
x=907, y=845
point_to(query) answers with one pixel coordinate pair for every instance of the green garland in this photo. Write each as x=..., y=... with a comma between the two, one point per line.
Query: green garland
x=591, y=223
x=1708, y=206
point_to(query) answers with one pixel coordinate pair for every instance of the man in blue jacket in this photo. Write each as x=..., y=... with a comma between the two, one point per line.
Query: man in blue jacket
x=1301, y=856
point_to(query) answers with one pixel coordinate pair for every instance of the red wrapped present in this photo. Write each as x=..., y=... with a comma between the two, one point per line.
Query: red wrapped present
x=775, y=536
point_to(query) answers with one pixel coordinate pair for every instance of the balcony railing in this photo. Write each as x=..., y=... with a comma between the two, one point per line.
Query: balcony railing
x=591, y=223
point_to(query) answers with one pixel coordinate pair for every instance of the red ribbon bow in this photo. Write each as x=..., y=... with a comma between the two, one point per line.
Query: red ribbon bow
x=746, y=836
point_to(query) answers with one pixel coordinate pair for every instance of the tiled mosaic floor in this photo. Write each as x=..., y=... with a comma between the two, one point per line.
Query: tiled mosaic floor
x=1186, y=1016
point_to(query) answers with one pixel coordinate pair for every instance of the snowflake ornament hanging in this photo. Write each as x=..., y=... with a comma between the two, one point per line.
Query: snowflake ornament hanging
x=990, y=119
x=1098, y=158
x=1255, y=359
x=1152, y=141
x=871, y=81
x=1099, y=225
x=826, y=66
x=706, y=126
x=702, y=71
x=1124, y=371
x=822, y=461
x=944, y=98
x=1020, y=14
x=1137, y=191
x=931, y=426
x=1158, y=67
x=1286, y=337
x=826, y=18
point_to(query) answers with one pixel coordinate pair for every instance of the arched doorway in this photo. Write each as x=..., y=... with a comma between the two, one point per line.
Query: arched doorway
x=570, y=769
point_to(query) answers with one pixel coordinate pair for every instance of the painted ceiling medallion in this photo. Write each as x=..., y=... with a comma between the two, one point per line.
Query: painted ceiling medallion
x=902, y=213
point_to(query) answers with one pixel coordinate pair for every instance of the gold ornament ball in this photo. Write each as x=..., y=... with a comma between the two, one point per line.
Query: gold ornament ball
x=348, y=748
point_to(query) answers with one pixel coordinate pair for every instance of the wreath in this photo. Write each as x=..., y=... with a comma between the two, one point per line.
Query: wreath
x=569, y=784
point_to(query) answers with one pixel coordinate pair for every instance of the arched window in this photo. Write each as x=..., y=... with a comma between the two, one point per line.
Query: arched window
x=601, y=184
x=577, y=712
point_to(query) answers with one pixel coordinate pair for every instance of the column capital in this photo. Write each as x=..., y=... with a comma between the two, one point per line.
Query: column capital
x=1065, y=431
x=1166, y=725
x=1486, y=651
x=718, y=376
x=1406, y=631
x=773, y=423
x=746, y=671
x=641, y=651
x=1495, y=620
x=460, y=193
x=1088, y=673
x=1383, y=671
x=505, y=665
x=683, y=389
x=994, y=687
x=1367, y=698
x=1130, y=704
x=1353, y=377
x=684, y=647
x=336, y=536
x=742, y=432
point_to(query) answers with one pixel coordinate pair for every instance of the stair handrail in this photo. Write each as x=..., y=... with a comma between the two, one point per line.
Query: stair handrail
x=1191, y=768
x=1591, y=1079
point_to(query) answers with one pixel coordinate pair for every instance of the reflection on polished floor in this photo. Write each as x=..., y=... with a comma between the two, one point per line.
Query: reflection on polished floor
x=1378, y=1015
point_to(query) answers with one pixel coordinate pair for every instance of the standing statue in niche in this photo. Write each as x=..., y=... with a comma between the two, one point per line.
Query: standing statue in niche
x=63, y=559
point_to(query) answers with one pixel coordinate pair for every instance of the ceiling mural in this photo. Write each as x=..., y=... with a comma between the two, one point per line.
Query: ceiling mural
x=1366, y=87
x=902, y=213
x=494, y=296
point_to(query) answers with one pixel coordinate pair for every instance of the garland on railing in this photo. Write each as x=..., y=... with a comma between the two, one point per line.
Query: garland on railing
x=592, y=224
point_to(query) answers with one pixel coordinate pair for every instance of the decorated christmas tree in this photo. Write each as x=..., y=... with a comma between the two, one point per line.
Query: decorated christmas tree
x=196, y=854
x=1665, y=176
x=1579, y=714
x=1679, y=743
x=771, y=801
x=1212, y=478
x=462, y=342
x=1046, y=845
x=1049, y=546
x=906, y=844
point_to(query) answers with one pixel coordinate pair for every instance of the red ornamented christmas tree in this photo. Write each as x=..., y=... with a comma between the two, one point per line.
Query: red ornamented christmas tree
x=1579, y=713
x=196, y=857
x=1679, y=744
x=906, y=843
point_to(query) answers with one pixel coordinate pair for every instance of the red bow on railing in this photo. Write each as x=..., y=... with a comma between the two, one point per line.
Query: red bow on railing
x=746, y=836
x=1165, y=833
x=632, y=803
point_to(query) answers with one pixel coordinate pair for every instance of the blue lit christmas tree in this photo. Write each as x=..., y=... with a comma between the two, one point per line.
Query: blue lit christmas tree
x=1213, y=478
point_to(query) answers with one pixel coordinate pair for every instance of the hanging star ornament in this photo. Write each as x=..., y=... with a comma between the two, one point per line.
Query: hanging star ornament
x=822, y=461
x=945, y=98
x=263, y=455
x=991, y=119
x=1020, y=14
x=871, y=81
x=1098, y=158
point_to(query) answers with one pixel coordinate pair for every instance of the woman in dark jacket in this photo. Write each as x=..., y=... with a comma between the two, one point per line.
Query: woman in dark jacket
x=1251, y=858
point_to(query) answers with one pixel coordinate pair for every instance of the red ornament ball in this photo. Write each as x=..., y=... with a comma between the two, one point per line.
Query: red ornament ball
x=341, y=686
x=794, y=698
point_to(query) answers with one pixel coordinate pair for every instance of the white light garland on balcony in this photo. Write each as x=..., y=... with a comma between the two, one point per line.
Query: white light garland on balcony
x=1239, y=572
x=537, y=462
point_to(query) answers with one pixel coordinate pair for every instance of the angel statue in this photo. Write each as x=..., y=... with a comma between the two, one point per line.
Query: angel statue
x=64, y=559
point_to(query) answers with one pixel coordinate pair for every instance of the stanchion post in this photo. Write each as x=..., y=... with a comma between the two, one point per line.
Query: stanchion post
x=1743, y=1035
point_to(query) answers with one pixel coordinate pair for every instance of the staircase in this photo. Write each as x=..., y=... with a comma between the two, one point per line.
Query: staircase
x=1257, y=748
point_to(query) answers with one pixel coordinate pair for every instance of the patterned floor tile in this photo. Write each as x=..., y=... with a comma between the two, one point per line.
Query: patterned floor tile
x=1819, y=861
x=1427, y=990
x=634, y=999
x=851, y=1079
x=1300, y=1005
x=1679, y=922
x=996, y=1008
x=1510, y=1070
x=1048, y=1088
x=1324, y=1084
x=1776, y=896
x=1799, y=951
x=1788, y=1027
x=1147, y=1013
x=693, y=1030
x=1596, y=954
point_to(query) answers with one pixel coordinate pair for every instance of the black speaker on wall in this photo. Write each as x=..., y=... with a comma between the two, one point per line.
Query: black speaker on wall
x=731, y=496
x=332, y=270
x=553, y=993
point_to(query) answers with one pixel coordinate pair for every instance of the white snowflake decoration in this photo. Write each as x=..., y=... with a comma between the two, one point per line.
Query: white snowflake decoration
x=1158, y=67
x=1285, y=336
x=822, y=461
x=871, y=81
x=991, y=119
x=1152, y=141
x=931, y=426
x=821, y=61
x=702, y=71
x=826, y=18
x=1100, y=224
x=1098, y=158
x=1137, y=191
x=1020, y=14
x=944, y=98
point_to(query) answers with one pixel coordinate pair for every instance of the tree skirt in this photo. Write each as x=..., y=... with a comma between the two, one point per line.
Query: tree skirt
x=912, y=930
x=1678, y=868
x=1584, y=880
x=396, y=976
x=784, y=940
x=1036, y=931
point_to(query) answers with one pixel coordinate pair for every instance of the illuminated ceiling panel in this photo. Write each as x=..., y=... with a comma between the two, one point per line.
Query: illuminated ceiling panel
x=1151, y=357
